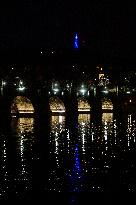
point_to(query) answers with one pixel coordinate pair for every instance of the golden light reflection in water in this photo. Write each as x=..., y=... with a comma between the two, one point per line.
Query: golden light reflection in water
x=22, y=104
x=84, y=118
x=84, y=125
x=115, y=130
x=23, y=171
x=131, y=128
x=4, y=186
x=56, y=105
x=57, y=123
x=55, y=119
x=25, y=125
x=57, y=127
x=107, y=117
x=83, y=105
x=107, y=122
x=24, y=129
x=22, y=125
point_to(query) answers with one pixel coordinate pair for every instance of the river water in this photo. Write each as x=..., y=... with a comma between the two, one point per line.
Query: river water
x=36, y=160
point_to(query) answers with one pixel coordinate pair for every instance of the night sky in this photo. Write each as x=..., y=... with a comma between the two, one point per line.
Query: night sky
x=104, y=26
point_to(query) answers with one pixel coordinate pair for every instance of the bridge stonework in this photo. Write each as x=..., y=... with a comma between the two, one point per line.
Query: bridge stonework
x=40, y=100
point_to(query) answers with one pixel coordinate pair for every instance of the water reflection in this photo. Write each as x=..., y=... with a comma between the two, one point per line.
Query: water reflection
x=56, y=146
x=24, y=128
x=130, y=132
x=115, y=130
x=95, y=158
x=107, y=124
x=84, y=119
x=57, y=123
x=107, y=117
x=22, y=125
x=128, y=173
x=76, y=175
x=25, y=125
x=57, y=128
x=4, y=175
x=83, y=129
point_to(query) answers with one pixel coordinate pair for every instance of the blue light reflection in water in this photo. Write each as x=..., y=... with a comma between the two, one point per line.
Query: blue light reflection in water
x=76, y=175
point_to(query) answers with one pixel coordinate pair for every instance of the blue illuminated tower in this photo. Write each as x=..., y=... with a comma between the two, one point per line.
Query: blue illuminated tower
x=76, y=46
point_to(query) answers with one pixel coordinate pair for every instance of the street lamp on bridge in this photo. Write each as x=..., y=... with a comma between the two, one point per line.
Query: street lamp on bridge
x=3, y=83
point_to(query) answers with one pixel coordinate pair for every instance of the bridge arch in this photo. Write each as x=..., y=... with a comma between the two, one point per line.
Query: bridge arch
x=56, y=105
x=21, y=105
x=107, y=104
x=83, y=105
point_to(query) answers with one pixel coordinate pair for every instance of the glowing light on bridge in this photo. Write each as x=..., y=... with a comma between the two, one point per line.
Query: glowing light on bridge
x=21, y=86
x=83, y=90
x=4, y=83
x=55, y=87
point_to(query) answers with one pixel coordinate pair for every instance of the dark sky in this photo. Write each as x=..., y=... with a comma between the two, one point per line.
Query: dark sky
x=104, y=26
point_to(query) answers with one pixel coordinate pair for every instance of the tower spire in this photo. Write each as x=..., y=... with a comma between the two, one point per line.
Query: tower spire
x=76, y=44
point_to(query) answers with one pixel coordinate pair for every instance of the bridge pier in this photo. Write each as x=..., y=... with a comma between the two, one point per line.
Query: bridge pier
x=42, y=121
x=5, y=113
x=96, y=110
x=42, y=114
x=71, y=105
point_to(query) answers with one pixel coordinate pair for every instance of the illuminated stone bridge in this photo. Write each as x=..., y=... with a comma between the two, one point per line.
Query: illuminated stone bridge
x=54, y=98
